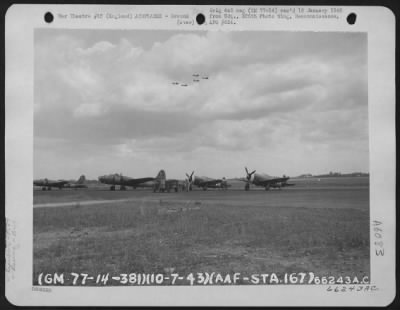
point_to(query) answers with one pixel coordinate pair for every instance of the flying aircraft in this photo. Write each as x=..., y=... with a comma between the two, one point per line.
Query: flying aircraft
x=78, y=184
x=175, y=83
x=205, y=182
x=184, y=85
x=261, y=179
x=48, y=184
x=195, y=80
x=122, y=181
x=205, y=77
x=196, y=75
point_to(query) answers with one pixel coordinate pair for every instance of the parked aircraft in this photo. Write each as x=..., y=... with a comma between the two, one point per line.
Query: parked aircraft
x=48, y=184
x=162, y=184
x=78, y=184
x=205, y=182
x=261, y=179
x=122, y=181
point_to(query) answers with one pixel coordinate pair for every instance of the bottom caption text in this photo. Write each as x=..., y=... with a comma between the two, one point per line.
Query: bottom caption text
x=200, y=278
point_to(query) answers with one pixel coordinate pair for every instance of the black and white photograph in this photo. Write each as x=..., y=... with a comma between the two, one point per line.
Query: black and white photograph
x=199, y=156
x=162, y=152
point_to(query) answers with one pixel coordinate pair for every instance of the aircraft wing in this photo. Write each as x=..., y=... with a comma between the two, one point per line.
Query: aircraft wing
x=135, y=182
x=57, y=183
x=211, y=182
x=74, y=185
x=273, y=181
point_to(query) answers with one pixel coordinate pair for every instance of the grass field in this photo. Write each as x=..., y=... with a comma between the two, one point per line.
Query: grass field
x=152, y=235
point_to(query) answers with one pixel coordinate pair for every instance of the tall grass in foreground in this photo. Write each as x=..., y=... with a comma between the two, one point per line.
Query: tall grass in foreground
x=155, y=236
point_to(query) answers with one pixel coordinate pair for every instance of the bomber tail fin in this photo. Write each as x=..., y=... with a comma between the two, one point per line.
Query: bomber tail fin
x=161, y=175
x=81, y=179
x=161, y=180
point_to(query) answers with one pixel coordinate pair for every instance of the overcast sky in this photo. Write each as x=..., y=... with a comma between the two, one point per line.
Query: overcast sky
x=278, y=102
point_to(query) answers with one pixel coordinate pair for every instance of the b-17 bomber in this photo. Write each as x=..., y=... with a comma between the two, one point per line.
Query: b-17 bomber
x=123, y=181
x=49, y=184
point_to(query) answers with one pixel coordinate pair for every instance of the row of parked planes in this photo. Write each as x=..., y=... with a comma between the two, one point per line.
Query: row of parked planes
x=161, y=184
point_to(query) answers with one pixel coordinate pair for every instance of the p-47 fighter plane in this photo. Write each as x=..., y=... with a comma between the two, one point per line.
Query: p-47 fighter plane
x=48, y=184
x=123, y=181
x=78, y=184
x=261, y=179
x=205, y=182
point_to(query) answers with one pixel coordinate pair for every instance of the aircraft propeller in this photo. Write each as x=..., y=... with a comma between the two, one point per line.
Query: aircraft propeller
x=190, y=180
x=248, y=177
x=190, y=177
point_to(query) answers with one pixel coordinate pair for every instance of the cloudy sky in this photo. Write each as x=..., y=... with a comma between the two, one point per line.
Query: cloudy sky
x=278, y=102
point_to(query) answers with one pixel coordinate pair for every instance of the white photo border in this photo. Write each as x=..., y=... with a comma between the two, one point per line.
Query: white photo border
x=20, y=23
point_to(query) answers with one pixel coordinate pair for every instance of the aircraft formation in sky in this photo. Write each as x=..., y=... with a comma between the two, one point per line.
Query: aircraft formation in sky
x=196, y=78
x=160, y=183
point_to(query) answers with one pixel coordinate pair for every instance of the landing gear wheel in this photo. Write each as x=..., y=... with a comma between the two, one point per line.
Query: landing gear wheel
x=267, y=188
x=49, y=188
x=122, y=188
x=246, y=187
x=204, y=188
x=112, y=188
x=43, y=188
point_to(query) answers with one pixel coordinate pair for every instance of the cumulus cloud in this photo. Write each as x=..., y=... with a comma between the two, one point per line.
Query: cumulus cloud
x=268, y=95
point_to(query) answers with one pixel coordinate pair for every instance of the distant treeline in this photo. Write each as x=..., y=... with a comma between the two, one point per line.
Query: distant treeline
x=335, y=175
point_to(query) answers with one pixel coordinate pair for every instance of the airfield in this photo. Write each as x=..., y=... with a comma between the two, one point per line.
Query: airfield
x=318, y=225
